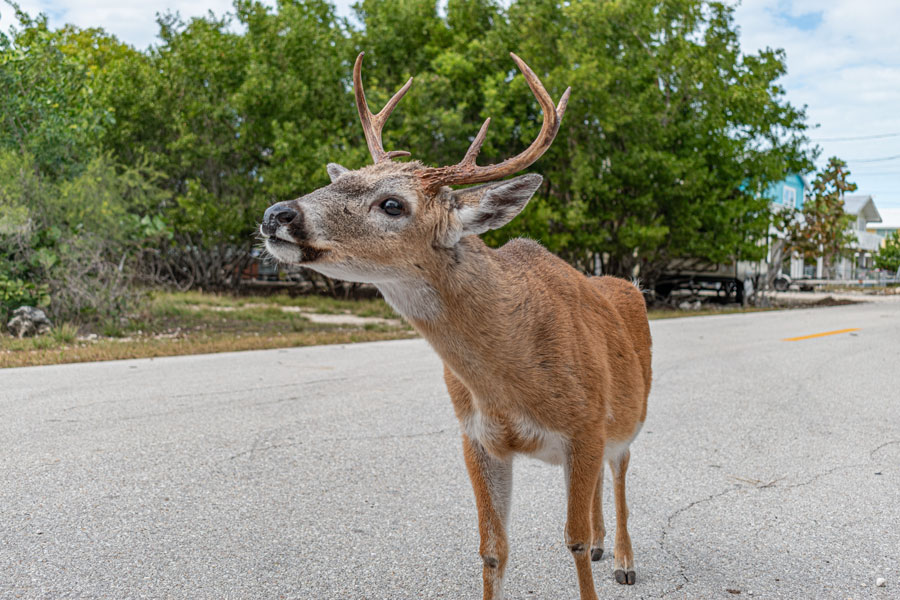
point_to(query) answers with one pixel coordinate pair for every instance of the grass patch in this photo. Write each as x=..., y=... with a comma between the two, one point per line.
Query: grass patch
x=675, y=313
x=64, y=333
x=869, y=288
x=176, y=323
x=48, y=353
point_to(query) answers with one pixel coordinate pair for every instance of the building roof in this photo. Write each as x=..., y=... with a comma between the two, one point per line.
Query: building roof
x=890, y=218
x=864, y=205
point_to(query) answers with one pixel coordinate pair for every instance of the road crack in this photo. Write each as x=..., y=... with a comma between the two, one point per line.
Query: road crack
x=824, y=474
x=884, y=445
x=670, y=522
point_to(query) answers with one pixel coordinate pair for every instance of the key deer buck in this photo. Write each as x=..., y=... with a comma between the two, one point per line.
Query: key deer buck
x=538, y=359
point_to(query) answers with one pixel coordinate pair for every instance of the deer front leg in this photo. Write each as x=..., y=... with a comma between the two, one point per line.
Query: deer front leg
x=599, y=527
x=583, y=469
x=492, y=481
x=624, y=560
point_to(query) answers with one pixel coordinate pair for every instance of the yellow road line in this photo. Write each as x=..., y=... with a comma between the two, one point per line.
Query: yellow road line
x=818, y=335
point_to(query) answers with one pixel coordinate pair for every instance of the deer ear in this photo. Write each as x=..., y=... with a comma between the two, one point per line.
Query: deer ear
x=493, y=205
x=335, y=170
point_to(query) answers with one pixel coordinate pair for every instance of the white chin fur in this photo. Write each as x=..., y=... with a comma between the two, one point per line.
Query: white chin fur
x=284, y=253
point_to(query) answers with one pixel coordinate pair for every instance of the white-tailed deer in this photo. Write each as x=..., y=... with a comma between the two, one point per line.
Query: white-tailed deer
x=538, y=359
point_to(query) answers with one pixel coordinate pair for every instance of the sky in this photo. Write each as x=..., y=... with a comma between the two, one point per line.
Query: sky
x=843, y=59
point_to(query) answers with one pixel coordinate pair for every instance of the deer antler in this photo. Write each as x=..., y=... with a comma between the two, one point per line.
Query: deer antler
x=466, y=171
x=372, y=124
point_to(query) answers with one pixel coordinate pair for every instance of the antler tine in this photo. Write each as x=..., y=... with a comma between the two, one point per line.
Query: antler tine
x=372, y=124
x=466, y=171
x=475, y=146
x=537, y=88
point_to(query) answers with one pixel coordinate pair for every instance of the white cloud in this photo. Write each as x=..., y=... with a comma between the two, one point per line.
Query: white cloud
x=132, y=22
x=846, y=70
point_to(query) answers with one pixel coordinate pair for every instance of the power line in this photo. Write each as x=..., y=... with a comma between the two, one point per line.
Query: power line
x=871, y=160
x=853, y=139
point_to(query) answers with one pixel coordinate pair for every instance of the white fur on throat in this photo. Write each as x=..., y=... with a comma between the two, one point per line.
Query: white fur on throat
x=412, y=299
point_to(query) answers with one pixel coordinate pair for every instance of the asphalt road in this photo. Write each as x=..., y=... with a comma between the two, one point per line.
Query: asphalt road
x=766, y=467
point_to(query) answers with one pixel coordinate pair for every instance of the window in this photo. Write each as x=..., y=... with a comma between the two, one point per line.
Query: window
x=790, y=197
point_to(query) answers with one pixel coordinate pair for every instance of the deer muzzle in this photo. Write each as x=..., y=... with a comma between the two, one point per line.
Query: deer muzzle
x=278, y=216
x=286, y=236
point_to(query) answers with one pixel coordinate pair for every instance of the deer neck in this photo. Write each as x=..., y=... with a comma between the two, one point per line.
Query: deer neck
x=462, y=306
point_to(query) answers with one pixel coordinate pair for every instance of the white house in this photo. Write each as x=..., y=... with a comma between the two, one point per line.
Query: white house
x=890, y=222
x=791, y=193
x=862, y=251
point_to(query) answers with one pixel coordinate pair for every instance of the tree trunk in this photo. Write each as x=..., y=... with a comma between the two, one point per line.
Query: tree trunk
x=773, y=268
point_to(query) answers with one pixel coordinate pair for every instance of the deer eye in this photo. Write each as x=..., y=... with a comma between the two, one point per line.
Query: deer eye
x=392, y=207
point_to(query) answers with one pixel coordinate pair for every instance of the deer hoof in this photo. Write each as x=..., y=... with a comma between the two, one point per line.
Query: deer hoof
x=596, y=554
x=624, y=577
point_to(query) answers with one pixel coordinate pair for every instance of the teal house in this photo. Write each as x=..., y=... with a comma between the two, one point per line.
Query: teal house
x=788, y=192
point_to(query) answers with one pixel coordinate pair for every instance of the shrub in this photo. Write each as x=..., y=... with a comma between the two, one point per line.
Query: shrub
x=65, y=333
x=73, y=246
x=17, y=292
x=888, y=258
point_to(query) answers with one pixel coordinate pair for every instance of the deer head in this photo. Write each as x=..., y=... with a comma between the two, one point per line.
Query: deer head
x=390, y=221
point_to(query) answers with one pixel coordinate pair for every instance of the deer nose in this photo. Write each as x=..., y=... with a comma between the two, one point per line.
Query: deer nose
x=275, y=216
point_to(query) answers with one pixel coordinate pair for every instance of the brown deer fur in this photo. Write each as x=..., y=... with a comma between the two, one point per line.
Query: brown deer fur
x=538, y=359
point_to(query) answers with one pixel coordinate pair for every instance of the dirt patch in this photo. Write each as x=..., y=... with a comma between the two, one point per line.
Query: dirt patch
x=349, y=319
x=789, y=302
x=340, y=318
x=832, y=301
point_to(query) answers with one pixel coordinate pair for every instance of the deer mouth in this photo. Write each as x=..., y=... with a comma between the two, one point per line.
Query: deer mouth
x=292, y=252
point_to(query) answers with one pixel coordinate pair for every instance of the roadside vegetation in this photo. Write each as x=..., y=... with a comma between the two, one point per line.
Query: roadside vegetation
x=888, y=257
x=194, y=323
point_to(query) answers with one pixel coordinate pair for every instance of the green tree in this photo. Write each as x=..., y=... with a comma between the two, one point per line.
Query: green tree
x=46, y=110
x=295, y=102
x=670, y=135
x=888, y=257
x=69, y=235
x=823, y=228
x=233, y=121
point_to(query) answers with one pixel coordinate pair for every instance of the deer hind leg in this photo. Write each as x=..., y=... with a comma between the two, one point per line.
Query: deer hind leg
x=582, y=472
x=492, y=481
x=597, y=521
x=624, y=556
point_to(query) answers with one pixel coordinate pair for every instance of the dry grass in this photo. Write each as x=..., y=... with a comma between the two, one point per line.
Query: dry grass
x=113, y=349
x=883, y=290
x=193, y=323
x=674, y=313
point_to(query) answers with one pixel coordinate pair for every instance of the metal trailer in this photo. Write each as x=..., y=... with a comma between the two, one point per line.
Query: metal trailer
x=724, y=282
